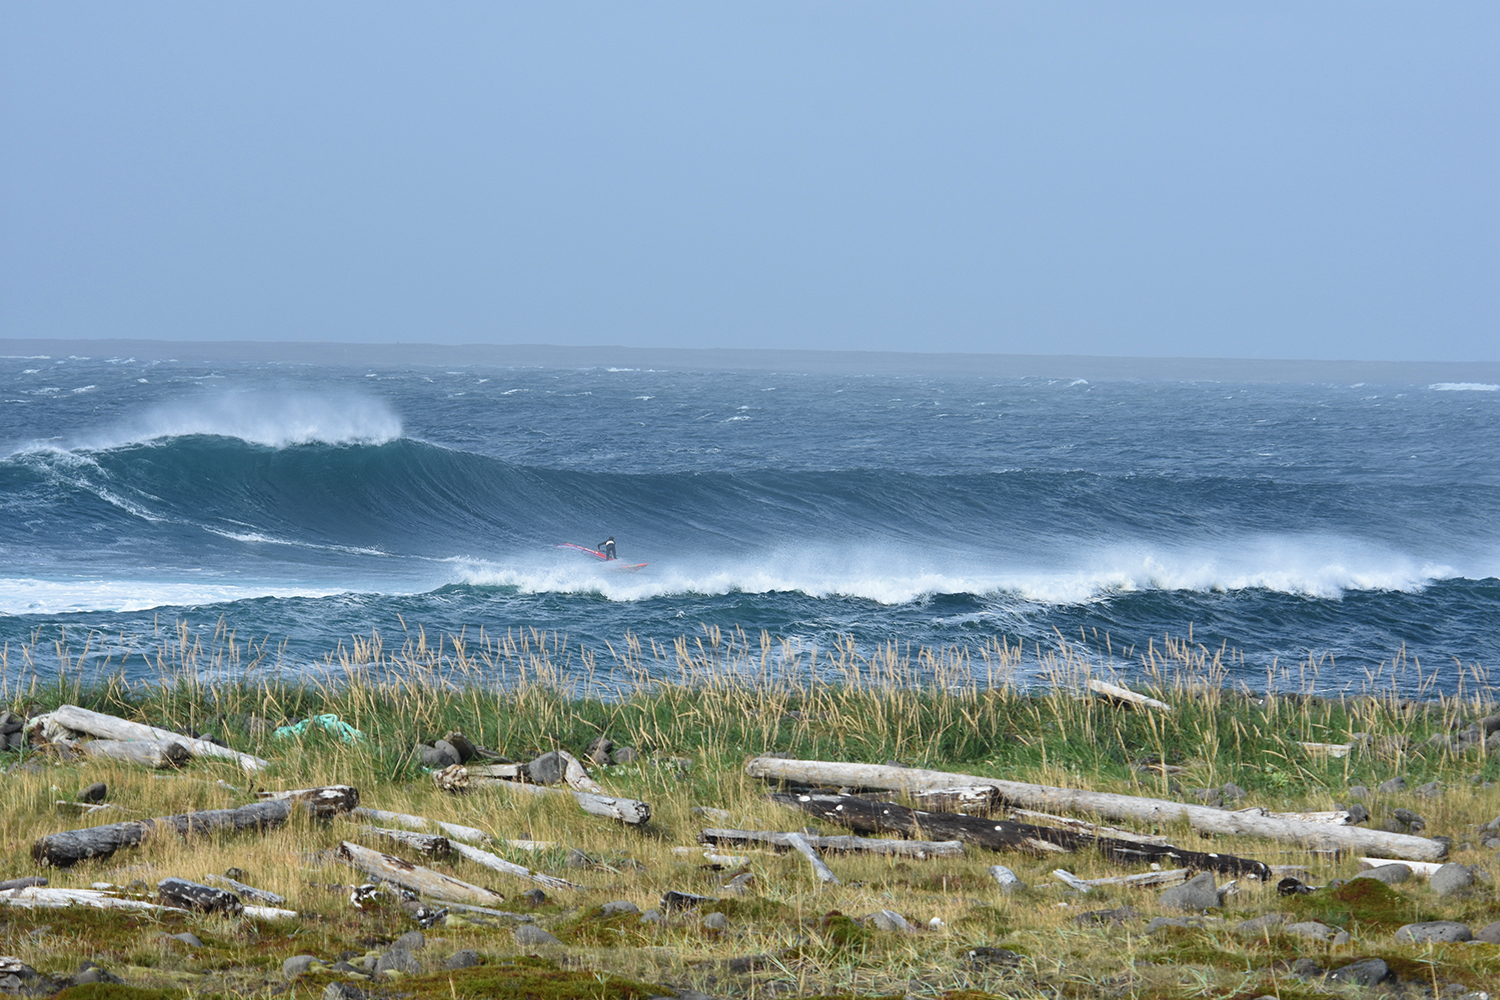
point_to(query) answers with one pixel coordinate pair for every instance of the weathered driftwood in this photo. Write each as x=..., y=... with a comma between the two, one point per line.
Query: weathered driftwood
x=799, y=843
x=423, y=881
x=187, y=895
x=248, y=891
x=717, y=860
x=1174, y=876
x=72, y=846
x=1004, y=876
x=866, y=816
x=625, y=810
x=23, y=883
x=156, y=754
x=919, y=849
x=1334, y=816
x=1117, y=693
x=1327, y=749
x=576, y=776
x=1316, y=836
x=115, y=728
x=976, y=800
x=453, y=831
x=34, y=897
x=1423, y=868
x=1081, y=826
x=481, y=857
x=431, y=845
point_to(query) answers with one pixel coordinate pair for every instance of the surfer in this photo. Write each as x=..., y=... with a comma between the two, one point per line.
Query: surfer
x=608, y=548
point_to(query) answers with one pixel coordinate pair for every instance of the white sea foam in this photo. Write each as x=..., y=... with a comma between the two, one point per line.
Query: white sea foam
x=1464, y=387
x=273, y=419
x=24, y=596
x=1325, y=568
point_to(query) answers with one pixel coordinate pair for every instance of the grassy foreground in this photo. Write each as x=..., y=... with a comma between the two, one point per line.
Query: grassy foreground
x=790, y=935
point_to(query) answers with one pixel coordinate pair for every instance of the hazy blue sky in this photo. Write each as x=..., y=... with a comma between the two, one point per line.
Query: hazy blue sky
x=1206, y=179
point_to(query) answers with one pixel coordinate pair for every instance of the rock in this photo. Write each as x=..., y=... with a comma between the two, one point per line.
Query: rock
x=342, y=966
x=1261, y=924
x=466, y=959
x=981, y=958
x=1306, y=968
x=626, y=755
x=432, y=757
x=739, y=885
x=18, y=977
x=1489, y=933
x=298, y=964
x=1389, y=874
x=653, y=917
x=342, y=991
x=1198, y=893
x=411, y=941
x=1357, y=814
x=577, y=859
x=548, y=769
x=89, y=972
x=1411, y=822
x=1394, y=785
x=674, y=900
x=535, y=897
x=188, y=938
x=1310, y=929
x=891, y=921
x=1208, y=796
x=716, y=922
x=397, y=960
x=1115, y=917
x=443, y=746
x=1232, y=791
x=600, y=750
x=1366, y=972
x=1431, y=790
x=1451, y=879
x=532, y=936
x=461, y=745
x=1442, y=931
x=619, y=906
x=1358, y=793
x=94, y=793
x=1161, y=923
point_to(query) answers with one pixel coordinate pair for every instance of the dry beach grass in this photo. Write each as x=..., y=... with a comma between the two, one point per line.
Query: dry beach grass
x=728, y=698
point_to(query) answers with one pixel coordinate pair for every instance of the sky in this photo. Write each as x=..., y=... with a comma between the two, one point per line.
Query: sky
x=1232, y=179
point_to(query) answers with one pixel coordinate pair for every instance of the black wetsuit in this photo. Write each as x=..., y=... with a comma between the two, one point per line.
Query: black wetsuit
x=608, y=548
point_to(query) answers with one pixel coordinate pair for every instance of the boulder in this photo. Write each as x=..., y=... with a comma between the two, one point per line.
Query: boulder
x=1394, y=785
x=1365, y=972
x=1314, y=929
x=397, y=960
x=1198, y=893
x=532, y=936
x=1440, y=931
x=465, y=959
x=1261, y=924
x=619, y=906
x=1389, y=874
x=548, y=769
x=1451, y=879
x=299, y=964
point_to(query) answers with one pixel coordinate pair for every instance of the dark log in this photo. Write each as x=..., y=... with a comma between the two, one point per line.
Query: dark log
x=22, y=883
x=919, y=849
x=867, y=816
x=975, y=800
x=200, y=898
x=248, y=891
x=64, y=849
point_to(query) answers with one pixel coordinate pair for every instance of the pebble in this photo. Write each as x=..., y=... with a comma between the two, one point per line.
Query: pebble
x=532, y=936
x=1198, y=893
x=1435, y=930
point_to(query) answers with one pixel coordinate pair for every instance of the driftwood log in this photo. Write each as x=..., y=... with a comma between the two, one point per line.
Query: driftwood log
x=187, y=895
x=453, y=831
x=481, y=857
x=112, y=727
x=976, y=800
x=1175, y=876
x=431, y=845
x=799, y=843
x=423, y=881
x=625, y=810
x=34, y=897
x=64, y=849
x=248, y=891
x=156, y=754
x=918, y=849
x=1315, y=836
x=867, y=816
x=1115, y=692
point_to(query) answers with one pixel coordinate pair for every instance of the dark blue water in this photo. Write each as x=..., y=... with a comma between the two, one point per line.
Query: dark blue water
x=305, y=504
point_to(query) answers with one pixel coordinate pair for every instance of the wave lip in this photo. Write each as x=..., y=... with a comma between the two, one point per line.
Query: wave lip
x=27, y=596
x=270, y=419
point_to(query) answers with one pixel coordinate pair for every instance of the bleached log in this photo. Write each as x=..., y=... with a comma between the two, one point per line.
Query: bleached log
x=33, y=897
x=1004, y=876
x=112, y=727
x=1070, y=880
x=72, y=846
x=158, y=754
x=431, y=845
x=799, y=843
x=576, y=776
x=481, y=857
x=1082, y=826
x=500, y=772
x=1124, y=694
x=1327, y=749
x=974, y=800
x=625, y=810
x=919, y=849
x=423, y=881
x=1316, y=836
x=248, y=891
x=453, y=831
x=719, y=860
x=1423, y=868
x=1174, y=876
x=269, y=912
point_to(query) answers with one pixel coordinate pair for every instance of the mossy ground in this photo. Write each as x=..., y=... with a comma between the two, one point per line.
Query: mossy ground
x=790, y=935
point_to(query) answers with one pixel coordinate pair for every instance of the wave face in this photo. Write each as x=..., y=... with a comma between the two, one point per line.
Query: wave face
x=312, y=503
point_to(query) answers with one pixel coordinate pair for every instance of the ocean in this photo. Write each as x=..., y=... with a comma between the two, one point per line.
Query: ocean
x=1293, y=517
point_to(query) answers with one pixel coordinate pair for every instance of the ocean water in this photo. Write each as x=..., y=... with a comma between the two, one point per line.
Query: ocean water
x=1351, y=525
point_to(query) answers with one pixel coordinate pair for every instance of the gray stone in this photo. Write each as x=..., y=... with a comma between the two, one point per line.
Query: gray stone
x=1310, y=929
x=600, y=749
x=397, y=960
x=891, y=921
x=1451, y=879
x=466, y=959
x=342, y=991
x=434, y=758
x=653, y=917
x=1358, y=793
x=186, y=937
x=1489, y=933
x=1208, y=796
x=1366, y=972
x=1199, y=893
x=90, y=972
x=1340, y=939
x=1389, y=874
x=626, y=755
x=298, y=964
x=548, y=769
x=1397, y=784
x=1261, y=924
x=577, y=859
x=1431, y=790
x=1358, y=813
x=18, y=977
x=619, y=906
x=1413, y=822
x=535, y=897
x=532, y=936
x=444, y=746
x=94, y=793
x=716, y=922
x=739, y=885
x=1442, y=931
x=1232, y=791
x=1306, y=968
x=410, y=941
x=1117, y=916
x=1160, y=923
